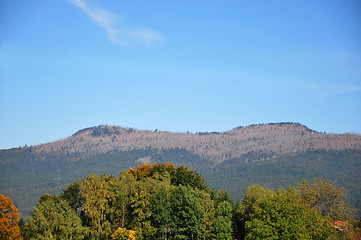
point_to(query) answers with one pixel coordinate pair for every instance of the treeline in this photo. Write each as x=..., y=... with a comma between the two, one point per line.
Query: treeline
x=236, y=175
x=162, y=201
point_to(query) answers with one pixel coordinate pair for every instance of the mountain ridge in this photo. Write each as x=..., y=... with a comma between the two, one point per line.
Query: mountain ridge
x=274, y=139
x=272, y=155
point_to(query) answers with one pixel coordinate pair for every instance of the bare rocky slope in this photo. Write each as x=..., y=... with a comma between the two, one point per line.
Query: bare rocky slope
x=270, y=140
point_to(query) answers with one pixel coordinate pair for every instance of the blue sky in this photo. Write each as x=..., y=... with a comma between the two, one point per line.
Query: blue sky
x=177, y=65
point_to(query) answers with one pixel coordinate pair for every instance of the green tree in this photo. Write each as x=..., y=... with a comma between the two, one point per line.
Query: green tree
x=237, y=227
x=245, y=212
x=161, y=214
x=282, y=216
x=179, y=176
x=187, y=213
x=147, y=203
x=223, y=196
x=53, y=218
x=72, y=197
x=24, y=229
x=140, y=208
x=207, y=206
x=223, y=224
x=184, y=176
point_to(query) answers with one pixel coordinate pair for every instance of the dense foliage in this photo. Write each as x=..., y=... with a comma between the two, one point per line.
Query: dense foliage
x=342, y=167
x=295, y=213
x=27, y=179
x=162, y=201
x=157, y=201
x=9, y=218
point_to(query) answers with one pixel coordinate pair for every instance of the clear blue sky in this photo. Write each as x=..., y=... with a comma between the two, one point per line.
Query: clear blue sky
x=177, y=65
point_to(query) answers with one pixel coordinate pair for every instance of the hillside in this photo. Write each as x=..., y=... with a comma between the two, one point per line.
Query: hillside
x=270, y=140
x=277, y=154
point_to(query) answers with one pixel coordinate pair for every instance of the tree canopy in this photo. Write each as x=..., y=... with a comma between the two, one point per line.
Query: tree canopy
x=162, y=201
x=9, y=218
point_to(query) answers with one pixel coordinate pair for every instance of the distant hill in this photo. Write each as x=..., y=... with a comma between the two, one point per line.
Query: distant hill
x=276, y=154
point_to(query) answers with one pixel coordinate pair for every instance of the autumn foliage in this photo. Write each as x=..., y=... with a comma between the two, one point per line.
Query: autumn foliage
x=9, y=218
x=161, y=201
x=323, y=195
x=123, y=234
x=148, y=170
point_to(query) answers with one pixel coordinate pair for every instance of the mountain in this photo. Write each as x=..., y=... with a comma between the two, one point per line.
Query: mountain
x=272, y=155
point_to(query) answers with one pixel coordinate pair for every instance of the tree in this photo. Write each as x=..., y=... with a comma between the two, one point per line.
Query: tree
x=223, y=196
x=187, y=213
x=282, y=216
x=72, y=197
x=179, y=176
x=184, y=176
x=223, y=224
x=161, y=214
x=24, y=229
x=53, y=218
x=237, y=225
x=96, y=193
x=245, y=212
x=140, y=208
x=124, y=192
x=124, y=234
x=325, y=196
x=207, y=205
x=9, y=217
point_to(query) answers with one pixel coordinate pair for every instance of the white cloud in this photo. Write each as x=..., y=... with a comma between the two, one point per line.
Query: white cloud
x=118, y=35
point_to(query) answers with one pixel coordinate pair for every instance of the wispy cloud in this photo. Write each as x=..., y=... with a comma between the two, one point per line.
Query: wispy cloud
x=117, y=34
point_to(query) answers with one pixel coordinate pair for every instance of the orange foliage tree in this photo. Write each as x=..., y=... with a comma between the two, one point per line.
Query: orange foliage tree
x=147, y=170
x=9, y=217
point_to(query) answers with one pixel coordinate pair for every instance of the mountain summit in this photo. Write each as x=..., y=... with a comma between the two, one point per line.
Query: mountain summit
x=272, y=155
x=269, y=140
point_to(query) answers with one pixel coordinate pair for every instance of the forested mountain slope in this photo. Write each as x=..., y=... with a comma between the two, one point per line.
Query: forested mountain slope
x=234, y=159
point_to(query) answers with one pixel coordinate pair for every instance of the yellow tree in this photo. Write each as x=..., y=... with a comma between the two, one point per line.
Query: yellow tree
x=9, y=217
x=95, y=191
x=329, y=199
x=326, y=197
x=124, y=234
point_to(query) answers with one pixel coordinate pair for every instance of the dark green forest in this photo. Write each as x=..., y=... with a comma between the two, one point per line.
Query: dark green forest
x=162, y=201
